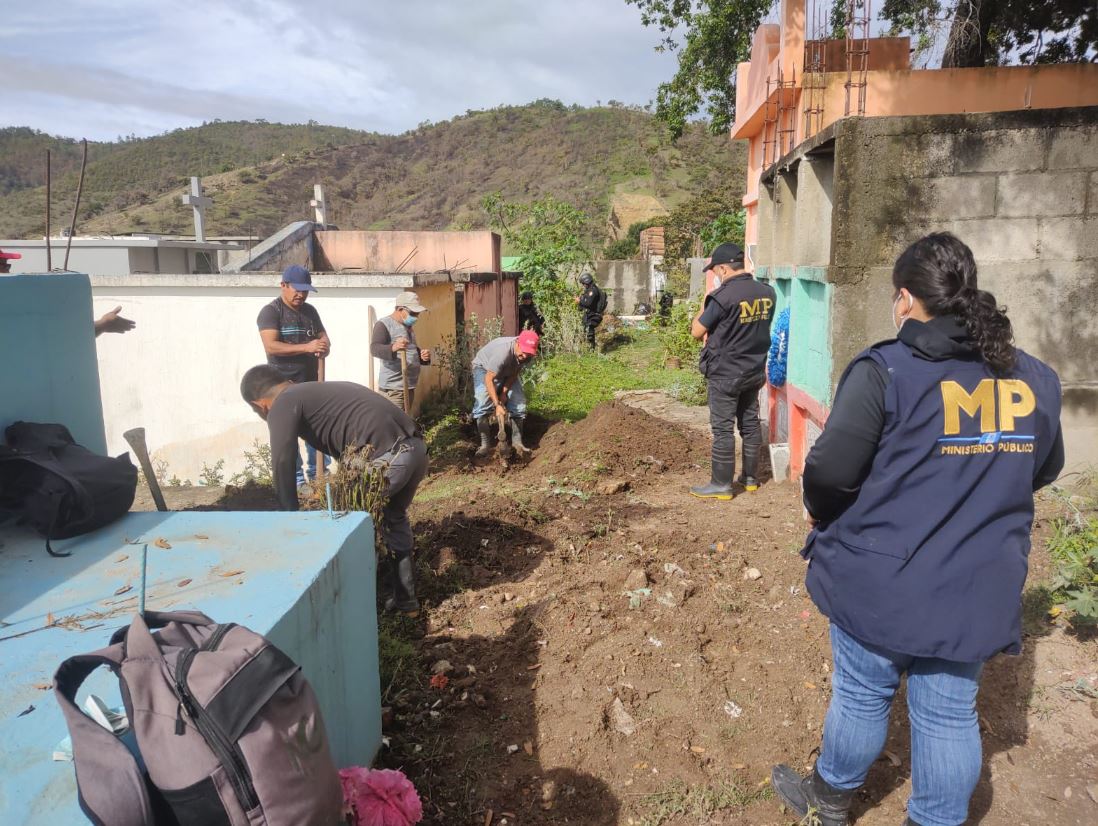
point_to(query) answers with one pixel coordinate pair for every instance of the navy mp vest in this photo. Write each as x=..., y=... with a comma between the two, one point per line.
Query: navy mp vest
x=736, y=348
x=931, y=558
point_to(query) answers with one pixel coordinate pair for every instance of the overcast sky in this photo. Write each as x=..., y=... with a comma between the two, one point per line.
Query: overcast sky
x=103, y=68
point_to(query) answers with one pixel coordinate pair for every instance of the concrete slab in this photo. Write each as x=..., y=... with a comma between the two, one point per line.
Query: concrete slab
x=306, y=581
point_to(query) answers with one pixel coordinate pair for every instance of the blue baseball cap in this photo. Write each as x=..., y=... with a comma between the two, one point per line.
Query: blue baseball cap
x=298, y=277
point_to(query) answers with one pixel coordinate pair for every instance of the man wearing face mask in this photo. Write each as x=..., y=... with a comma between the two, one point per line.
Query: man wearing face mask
x=735, y=323
x=392, y=334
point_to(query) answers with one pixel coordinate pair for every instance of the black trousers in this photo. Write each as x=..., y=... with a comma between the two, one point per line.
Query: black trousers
x=733, y=403
x=591, y=321
x=406, y=468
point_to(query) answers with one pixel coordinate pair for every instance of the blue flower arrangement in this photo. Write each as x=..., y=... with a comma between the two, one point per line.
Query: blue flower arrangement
x=778, y=357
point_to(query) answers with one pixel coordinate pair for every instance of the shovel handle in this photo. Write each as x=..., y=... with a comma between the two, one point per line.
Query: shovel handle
x=404, y=377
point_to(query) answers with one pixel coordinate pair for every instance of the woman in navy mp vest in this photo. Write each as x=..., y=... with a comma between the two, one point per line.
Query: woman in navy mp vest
x=920, y=494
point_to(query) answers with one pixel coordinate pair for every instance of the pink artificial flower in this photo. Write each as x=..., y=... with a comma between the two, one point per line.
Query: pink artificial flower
x=380, y=797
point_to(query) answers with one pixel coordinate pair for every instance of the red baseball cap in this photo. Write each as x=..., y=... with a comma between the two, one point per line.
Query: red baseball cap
x=10, y=254
x=528, y=342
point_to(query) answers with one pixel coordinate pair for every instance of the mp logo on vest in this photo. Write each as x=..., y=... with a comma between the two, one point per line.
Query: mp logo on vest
x=996, y=404
x=757, y=310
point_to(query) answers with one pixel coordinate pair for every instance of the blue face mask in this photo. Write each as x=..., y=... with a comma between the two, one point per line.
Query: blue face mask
x=410, y=320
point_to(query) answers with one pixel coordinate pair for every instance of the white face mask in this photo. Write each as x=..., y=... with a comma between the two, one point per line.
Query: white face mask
x=910, y=305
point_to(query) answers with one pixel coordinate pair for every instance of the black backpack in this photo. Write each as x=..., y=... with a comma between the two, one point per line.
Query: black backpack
x=604, y=299
x=58, y=487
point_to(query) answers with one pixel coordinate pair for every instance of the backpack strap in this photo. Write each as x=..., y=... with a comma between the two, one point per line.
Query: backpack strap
x=110, y=786
x=150, y=620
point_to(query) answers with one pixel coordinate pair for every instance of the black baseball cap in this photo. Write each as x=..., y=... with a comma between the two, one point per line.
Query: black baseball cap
x=726, y=253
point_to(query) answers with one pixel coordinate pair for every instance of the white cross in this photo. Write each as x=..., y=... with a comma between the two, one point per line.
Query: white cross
x=198, y=202
x=320, y=205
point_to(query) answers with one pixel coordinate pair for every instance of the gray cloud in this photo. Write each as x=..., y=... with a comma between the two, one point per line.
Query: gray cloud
x=99, y=68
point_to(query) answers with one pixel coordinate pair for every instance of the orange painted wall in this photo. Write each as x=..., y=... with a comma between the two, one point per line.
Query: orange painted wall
x=342, y=250
x=922, y=92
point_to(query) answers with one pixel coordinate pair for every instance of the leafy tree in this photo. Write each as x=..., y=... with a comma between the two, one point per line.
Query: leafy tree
x=550, y=238
x=717, y=36
x=728, y=226
x=990, y=32
x=712, y=36
x=628, y=246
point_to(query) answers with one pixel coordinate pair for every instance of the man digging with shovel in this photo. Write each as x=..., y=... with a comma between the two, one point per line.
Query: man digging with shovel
x=498, y=391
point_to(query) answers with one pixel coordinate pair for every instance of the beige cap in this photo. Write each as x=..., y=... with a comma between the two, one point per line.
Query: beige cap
x=411, y=301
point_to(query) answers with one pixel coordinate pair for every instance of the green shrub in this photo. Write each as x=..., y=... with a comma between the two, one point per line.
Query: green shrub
x=212, y=475
x=1074, y=551
x=257, y=466
x=675, y=334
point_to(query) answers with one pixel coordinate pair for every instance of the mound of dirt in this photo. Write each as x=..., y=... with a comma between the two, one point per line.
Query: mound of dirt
x=616, y=441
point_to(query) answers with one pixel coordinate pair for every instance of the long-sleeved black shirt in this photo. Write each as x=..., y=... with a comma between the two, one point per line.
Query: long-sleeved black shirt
x=842, y=457
x=331, y=416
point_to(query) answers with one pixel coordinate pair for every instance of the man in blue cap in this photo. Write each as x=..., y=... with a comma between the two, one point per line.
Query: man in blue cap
x=294, y=338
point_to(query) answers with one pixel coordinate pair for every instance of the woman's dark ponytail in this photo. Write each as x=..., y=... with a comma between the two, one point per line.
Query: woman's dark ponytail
x=940, y=271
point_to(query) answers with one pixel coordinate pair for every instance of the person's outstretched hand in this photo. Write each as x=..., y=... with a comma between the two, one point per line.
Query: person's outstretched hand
x=112, y=322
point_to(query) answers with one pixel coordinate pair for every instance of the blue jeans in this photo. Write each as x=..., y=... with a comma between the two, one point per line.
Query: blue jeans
x=482, y=406
x=310, y=456
x=945, y=738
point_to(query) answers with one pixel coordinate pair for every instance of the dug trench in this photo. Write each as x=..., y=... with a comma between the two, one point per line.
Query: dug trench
x=597, y=647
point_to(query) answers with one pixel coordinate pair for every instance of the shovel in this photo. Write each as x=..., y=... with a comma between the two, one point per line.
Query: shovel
x=501, y=437
x=136, y=439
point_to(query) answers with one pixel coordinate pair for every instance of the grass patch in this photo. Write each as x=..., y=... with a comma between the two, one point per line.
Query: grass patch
x=697, y=802
x=568, y=386
x=396, y=655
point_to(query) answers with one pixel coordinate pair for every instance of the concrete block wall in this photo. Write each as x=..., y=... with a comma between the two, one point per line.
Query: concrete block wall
x=1021, y=189
x=629, y=283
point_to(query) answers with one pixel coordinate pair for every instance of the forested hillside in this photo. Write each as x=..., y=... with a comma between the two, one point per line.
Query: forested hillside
x=261, y=175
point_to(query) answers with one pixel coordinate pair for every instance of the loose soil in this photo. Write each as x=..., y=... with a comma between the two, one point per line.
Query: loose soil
x=530, y=579
x=530, y=576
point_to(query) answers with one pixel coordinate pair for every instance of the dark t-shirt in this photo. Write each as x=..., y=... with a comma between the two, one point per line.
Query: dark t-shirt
x=294, y=327
x=331, y=416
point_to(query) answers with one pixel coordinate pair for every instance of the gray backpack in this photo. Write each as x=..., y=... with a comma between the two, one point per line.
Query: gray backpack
x=228, y=730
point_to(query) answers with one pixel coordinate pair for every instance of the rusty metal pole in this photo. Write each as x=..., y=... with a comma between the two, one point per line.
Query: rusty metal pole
x=49, y=254
x=76, y=206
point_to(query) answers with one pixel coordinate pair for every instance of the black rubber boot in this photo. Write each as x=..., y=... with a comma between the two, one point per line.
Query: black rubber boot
x=750, y=477
x=484, y=428
x=521, y=449
x=811, y=798
x=720, y=485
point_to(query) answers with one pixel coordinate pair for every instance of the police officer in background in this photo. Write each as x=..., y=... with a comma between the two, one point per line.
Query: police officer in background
x=735, y=323
x=528, y=316
x=592, y=302
x=920, y=493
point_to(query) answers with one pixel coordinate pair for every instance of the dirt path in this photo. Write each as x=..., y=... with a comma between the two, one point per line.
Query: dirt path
x=607, y=655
